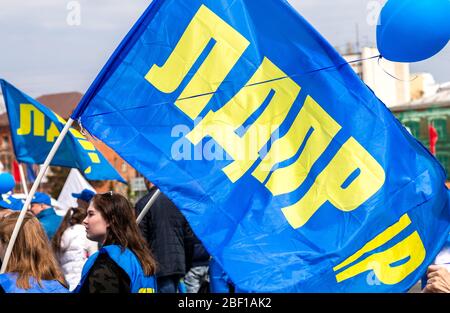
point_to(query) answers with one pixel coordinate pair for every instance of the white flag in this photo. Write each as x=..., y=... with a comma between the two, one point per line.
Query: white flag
x=75, y=183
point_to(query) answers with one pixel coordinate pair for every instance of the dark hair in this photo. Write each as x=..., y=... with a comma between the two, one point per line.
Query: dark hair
x=73, y=216
x=123, y=229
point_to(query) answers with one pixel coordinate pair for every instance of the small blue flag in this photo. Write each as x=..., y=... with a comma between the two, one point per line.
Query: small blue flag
x=35, y=128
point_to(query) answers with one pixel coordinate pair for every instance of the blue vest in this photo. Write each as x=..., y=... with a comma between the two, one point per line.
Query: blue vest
x=126, y=260
x=50, y=221
x=8, y=283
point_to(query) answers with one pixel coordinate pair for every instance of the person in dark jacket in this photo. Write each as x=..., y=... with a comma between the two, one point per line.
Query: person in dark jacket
x=170, y=239
x=198, y=275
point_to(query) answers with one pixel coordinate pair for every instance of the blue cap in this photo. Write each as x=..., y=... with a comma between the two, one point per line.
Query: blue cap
x=17, y=204
x=40, y=197
x=11, y=203
x=85, y=195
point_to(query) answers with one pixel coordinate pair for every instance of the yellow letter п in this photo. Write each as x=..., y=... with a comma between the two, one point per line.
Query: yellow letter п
x=229, y=47
x=26, y=110
x=222, y=124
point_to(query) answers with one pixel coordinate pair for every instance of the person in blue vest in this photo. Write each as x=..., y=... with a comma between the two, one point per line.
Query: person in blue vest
x=41, y=207
x=124, y=263
x=32, y=267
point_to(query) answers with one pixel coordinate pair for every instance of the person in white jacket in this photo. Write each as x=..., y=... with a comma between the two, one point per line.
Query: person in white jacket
x=70, y=244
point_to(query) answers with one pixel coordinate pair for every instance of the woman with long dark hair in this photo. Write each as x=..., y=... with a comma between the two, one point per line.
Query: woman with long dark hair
x=124, y=264
x=70, y=244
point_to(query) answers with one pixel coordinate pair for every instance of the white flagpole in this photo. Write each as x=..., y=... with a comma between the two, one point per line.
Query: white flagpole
x=23, y=179
x=36, y=183
x=147, y=206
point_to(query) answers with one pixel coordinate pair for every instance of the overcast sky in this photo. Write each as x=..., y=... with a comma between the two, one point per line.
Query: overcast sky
x=41, y=53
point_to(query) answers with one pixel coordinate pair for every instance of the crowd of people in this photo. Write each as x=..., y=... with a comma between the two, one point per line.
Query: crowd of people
x=98, y=247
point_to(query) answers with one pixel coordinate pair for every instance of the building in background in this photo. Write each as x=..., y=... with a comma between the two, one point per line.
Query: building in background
x=415, y=99
x=433, y=110
x=423, y=85
x=392, y=92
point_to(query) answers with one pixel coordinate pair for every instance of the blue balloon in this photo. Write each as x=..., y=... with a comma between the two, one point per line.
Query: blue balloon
x=413, y=30
x=7, y=183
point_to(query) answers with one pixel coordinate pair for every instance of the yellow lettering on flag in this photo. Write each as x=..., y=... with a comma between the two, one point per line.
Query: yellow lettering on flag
x=76, y=133
x=410, y=249
x=146, y=290
x=94, y=157
x=222, y=124
x=287, y=179
x=227, y=50
x=26, y=110
x=87, y=145
x=52, y=132
x=328, y=185
x=269, y=84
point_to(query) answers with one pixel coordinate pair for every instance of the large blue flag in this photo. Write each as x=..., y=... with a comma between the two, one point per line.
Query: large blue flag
x=35, y=128
x=288, y=168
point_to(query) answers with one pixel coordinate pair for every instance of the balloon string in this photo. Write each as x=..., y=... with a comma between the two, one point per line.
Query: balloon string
x=396, y=78
x=246, y=86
